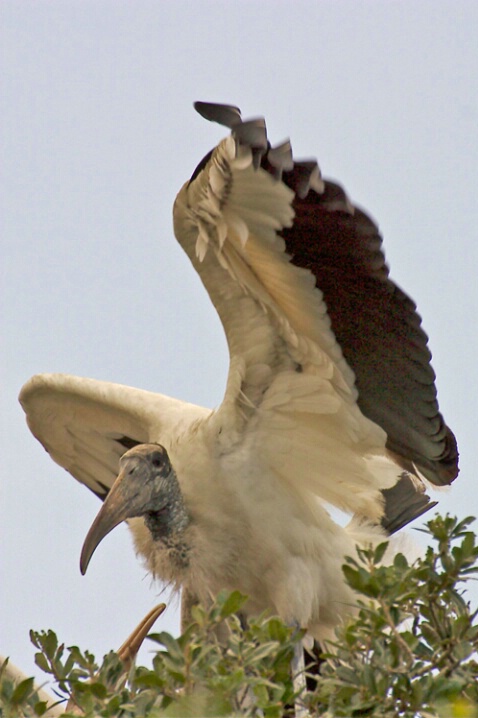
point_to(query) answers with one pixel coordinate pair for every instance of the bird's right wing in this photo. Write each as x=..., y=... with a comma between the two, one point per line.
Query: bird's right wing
x=330, y=385
x=86, y=425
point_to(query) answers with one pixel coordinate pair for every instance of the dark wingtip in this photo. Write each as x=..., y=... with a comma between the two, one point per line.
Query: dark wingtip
x=227, y=115
x=308, y=176
x=281, y=159
x=449, y=468
x=404, y=502
x=253, y=134
x=441, y=470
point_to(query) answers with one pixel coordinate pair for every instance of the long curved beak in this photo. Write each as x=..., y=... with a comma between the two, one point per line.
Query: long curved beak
x=116, y=508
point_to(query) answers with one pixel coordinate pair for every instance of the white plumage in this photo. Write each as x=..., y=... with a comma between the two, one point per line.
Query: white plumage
x=330, y=398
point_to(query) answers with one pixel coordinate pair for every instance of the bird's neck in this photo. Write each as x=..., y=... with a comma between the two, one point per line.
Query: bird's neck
x=168, y=524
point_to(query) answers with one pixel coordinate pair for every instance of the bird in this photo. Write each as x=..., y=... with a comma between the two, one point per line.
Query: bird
x=330, y=398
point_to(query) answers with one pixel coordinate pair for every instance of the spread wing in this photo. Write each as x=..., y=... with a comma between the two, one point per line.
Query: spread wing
x=330, y=383
x=86, y=425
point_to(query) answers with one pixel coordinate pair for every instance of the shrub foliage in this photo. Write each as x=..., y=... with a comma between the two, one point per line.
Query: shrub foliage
x=410, y=650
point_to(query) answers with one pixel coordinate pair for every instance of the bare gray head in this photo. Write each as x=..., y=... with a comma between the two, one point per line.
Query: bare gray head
x=147, y=487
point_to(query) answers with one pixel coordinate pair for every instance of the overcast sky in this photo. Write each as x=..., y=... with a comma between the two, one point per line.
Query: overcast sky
x=98, y=135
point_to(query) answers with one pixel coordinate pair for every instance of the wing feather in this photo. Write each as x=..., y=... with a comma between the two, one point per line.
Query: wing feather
x=329, y=366
x=86, y=425
x=378, y=328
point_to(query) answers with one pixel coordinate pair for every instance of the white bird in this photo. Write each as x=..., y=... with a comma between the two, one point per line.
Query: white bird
x=330, y=398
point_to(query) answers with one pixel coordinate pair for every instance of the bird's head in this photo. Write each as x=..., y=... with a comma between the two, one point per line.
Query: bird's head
x=147, y=487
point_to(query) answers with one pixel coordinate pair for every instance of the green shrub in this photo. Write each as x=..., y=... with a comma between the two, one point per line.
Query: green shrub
x=410, y=650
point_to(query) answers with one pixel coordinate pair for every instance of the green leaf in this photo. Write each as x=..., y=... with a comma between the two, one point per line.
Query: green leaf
x=99, y=690
x=269, y=648
x=232, y=604
x=22, y=691
x=42, y=663
x=348, y=675
x=380, y=551
x=400, y=562
x=171, y=644
x=50, y=644
x=149, y=680
x=463, y=650
x=40, y=707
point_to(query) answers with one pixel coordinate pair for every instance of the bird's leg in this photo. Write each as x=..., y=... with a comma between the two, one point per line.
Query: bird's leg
x=297, y=667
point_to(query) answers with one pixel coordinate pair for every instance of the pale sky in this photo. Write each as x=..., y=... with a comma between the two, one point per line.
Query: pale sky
x=99, y=134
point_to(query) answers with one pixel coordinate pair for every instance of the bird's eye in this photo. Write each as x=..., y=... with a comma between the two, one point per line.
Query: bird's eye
x=157, y=461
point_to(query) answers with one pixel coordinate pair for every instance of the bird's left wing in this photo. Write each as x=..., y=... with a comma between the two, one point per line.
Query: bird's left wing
x=86, y=425
x=268, y=237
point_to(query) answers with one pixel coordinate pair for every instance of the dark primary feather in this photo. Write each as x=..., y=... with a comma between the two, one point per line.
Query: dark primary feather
x=376, y=325
x=403, y=503
x=374, y=321
x=227, y=115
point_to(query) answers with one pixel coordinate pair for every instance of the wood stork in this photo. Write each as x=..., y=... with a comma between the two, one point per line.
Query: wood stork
x=330, y=398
